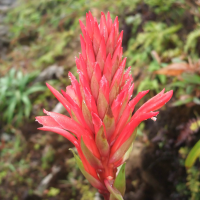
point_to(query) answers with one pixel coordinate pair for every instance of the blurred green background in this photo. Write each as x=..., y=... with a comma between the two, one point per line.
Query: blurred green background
x=38, y=43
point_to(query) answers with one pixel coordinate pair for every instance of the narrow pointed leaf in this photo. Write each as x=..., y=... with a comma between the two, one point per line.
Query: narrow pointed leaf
x=113, y=191
x=193, y=155
x=120, y=181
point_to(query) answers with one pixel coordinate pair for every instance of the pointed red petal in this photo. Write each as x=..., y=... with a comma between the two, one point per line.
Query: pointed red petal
x=114, y=88
x=122, y=123
x=90, y=143
x=83, y=28
x=89, y=26
x=81, y=66
x=83, y=48
x=90, y=55
x=130, y=91
x=87, y=116
x=117, y=103
x=97, y=122
x=129, y=128
x=90, y=102
x=104, y=87
x=119, y=40
x=72, y=94
x=102, y=143
x=59, y=97
x=96, y=77
x=92, y=159
x=116, y=59
x=109, y=122
x=125, y=76
x=101, y=55
x=103, y=98
x=109, y=23
x=111, y=42
x=107, y=72
x=76, y=87
x=68, y=124
x=116, y=25
x=89, y=169
x=96, y=38
x=117, y=155
x=47, y=121
x=77, y=111
x=156, y=102
x=62, y=132
x=91, y=20
x=134, y=101
x=103, y=27
x=83, y=81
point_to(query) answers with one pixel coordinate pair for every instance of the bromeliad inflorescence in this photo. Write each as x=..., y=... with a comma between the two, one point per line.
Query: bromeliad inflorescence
x=100, y=107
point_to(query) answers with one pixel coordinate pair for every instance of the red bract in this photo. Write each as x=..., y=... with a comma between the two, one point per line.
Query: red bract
x=100, y=107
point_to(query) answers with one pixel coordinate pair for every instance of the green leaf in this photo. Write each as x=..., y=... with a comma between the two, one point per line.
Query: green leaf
x=120, y=181
x=115, y=194
x=182, y=102
x=10, y=111
x=162, y=78
x=18, y=96
x=191, y=78
x=53, y=192
x=178, y=84
x=27, y=103
x=192, y=39
x=34, y=89
x=94, y=161
x=193, y=155
x=93, y=181
x=148, y=84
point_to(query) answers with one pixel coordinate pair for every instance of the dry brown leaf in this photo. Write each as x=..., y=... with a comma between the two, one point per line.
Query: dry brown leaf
x=174, y=69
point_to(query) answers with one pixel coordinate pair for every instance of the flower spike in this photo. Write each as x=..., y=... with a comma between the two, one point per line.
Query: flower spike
x=101, y=125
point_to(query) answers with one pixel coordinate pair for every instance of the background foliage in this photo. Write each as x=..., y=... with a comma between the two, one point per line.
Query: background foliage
x=162, y=44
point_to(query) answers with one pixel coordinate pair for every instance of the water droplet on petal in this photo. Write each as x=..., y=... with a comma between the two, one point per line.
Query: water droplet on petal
x=154, y=119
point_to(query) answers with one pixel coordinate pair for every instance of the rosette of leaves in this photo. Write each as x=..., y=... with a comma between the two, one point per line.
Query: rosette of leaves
x=15, y=91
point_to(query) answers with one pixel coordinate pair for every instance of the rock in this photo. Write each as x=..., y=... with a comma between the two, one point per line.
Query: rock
x=4, y=9
x=6, y=137
x=97, y=196
x=58, y=108
x=50, y=72
x=46, y=180
x=7, y=2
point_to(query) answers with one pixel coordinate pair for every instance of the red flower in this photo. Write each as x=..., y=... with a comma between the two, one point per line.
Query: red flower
x=100, y=107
